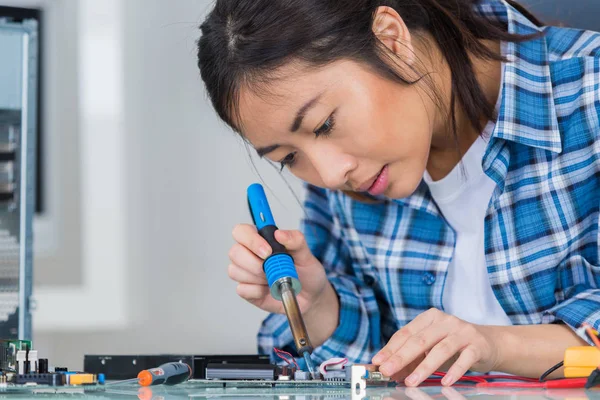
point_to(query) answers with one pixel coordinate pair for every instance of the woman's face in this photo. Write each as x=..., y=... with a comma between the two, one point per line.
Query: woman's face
x=342, y=127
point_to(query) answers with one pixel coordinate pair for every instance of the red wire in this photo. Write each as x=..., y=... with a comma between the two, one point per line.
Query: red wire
x=569, y=383
x=280, y=353
x=517, y=382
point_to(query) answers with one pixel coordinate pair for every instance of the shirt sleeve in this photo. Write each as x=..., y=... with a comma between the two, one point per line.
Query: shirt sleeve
x=358, y=335
x=583, y=306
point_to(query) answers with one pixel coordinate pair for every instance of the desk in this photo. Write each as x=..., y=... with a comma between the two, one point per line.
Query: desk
x=190, y=390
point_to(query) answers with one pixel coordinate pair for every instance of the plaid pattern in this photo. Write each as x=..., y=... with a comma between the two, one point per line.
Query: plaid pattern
x=388, y=261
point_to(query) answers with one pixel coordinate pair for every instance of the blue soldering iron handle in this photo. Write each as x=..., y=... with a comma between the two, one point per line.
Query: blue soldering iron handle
x=263, y=217
x=280, y=264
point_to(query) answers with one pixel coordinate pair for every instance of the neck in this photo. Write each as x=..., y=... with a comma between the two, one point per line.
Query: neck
x=443, y=155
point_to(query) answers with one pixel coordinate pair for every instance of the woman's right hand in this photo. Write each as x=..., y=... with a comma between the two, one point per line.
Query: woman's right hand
x=247, y=256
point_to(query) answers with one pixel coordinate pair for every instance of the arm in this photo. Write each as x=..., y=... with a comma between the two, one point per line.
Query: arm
x=346, y=322
x=529, y=350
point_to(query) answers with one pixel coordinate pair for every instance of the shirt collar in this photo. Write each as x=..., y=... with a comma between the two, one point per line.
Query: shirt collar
x=527, y=113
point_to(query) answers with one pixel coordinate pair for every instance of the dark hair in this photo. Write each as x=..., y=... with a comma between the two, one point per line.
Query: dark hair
x=243, y=42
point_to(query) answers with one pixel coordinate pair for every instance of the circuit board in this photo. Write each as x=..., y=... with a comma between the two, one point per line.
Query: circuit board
x=219, y=383
x=8, y=353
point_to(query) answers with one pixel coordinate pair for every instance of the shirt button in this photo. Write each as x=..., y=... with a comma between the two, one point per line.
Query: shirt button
x=428, y=278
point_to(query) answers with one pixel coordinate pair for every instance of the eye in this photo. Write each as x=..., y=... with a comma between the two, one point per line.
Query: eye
x=288, y=161
x=327, y=127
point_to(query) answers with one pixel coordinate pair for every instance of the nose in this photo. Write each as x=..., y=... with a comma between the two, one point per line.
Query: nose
x=332, y=165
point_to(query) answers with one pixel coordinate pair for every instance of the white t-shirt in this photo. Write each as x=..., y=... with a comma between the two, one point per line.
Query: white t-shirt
x=463, y=199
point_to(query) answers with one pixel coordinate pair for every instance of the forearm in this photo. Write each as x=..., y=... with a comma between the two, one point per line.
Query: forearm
x=323, y=317
x=529, y=350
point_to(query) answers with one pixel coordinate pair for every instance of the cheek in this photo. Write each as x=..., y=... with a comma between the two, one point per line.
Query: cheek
x=307, y=173
x=402, y=127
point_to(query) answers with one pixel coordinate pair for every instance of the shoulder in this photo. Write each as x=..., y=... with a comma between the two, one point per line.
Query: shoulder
x=567, y=43
x=574, y=64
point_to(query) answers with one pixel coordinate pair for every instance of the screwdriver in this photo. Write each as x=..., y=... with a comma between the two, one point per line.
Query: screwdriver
x=170, y=373
x=281, y=272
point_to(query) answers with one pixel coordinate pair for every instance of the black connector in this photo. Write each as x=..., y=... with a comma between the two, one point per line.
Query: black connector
x=594, y=379
x=41, y=379
x=43, y=365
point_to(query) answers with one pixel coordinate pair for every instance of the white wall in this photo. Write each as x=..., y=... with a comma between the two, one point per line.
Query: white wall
x=184, y=178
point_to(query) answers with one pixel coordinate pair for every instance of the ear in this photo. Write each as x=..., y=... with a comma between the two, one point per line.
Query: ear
x=390, y=29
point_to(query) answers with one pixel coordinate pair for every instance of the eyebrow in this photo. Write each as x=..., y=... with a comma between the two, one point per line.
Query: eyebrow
x=262, y=151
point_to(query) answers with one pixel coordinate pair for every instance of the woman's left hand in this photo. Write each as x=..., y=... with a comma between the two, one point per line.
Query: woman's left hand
x=433, y=339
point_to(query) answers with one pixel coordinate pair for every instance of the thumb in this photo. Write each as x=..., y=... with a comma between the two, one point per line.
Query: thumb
x=295, y=243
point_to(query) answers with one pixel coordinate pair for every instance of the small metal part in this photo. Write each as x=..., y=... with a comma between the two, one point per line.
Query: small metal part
x=310, y=365
x=361, y=374
x=292, y=310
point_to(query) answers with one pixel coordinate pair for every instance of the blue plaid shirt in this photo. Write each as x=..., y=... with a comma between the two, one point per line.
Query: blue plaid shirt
x=388, y=261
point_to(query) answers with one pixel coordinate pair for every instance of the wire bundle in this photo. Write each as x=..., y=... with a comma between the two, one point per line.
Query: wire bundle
x=287, y=357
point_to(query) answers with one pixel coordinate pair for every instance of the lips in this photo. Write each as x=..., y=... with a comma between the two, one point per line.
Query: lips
x=381, y=183
x=367, y=185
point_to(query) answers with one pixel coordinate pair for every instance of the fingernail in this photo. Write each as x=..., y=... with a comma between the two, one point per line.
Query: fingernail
x=263, y=252
x=377, y=359
x=447, y=380
x=412, y=379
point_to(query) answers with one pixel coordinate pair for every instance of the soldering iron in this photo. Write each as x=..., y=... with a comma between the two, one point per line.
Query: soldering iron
x=280, y=271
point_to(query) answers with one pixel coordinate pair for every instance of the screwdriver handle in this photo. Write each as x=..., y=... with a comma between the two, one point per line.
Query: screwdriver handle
x=170, y=373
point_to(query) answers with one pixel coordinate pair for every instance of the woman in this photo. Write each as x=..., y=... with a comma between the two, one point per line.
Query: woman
x=451, y=158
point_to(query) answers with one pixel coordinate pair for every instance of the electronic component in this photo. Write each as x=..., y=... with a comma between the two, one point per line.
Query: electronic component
x=43, y=365
x=32, y=357
x=51, y=379
x=80, y=379
x=286, y=373
x=580, y=361
x=8, y=353
x=21, y=359
x=240, y=371
x=333, y=369
x=335, y=375
x=360, y=375
x=301, y=376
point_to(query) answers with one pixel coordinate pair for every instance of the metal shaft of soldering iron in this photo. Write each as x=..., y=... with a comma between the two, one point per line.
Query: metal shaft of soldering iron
x=292, y=311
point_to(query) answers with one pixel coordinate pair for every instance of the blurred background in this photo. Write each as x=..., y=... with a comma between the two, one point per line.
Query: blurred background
x=141, y=184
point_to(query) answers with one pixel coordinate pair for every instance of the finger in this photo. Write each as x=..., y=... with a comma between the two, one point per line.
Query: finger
x=468, y=357
x=247, y=236
x=241, y=275
x=295, y=242
x=242, y=256
x=414, y=346
x=439, y=354
x=252, y=292
x=421, y=321
x=405, y=372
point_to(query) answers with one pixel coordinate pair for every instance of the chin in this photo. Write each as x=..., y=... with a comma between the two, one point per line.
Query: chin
x=401, y=189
